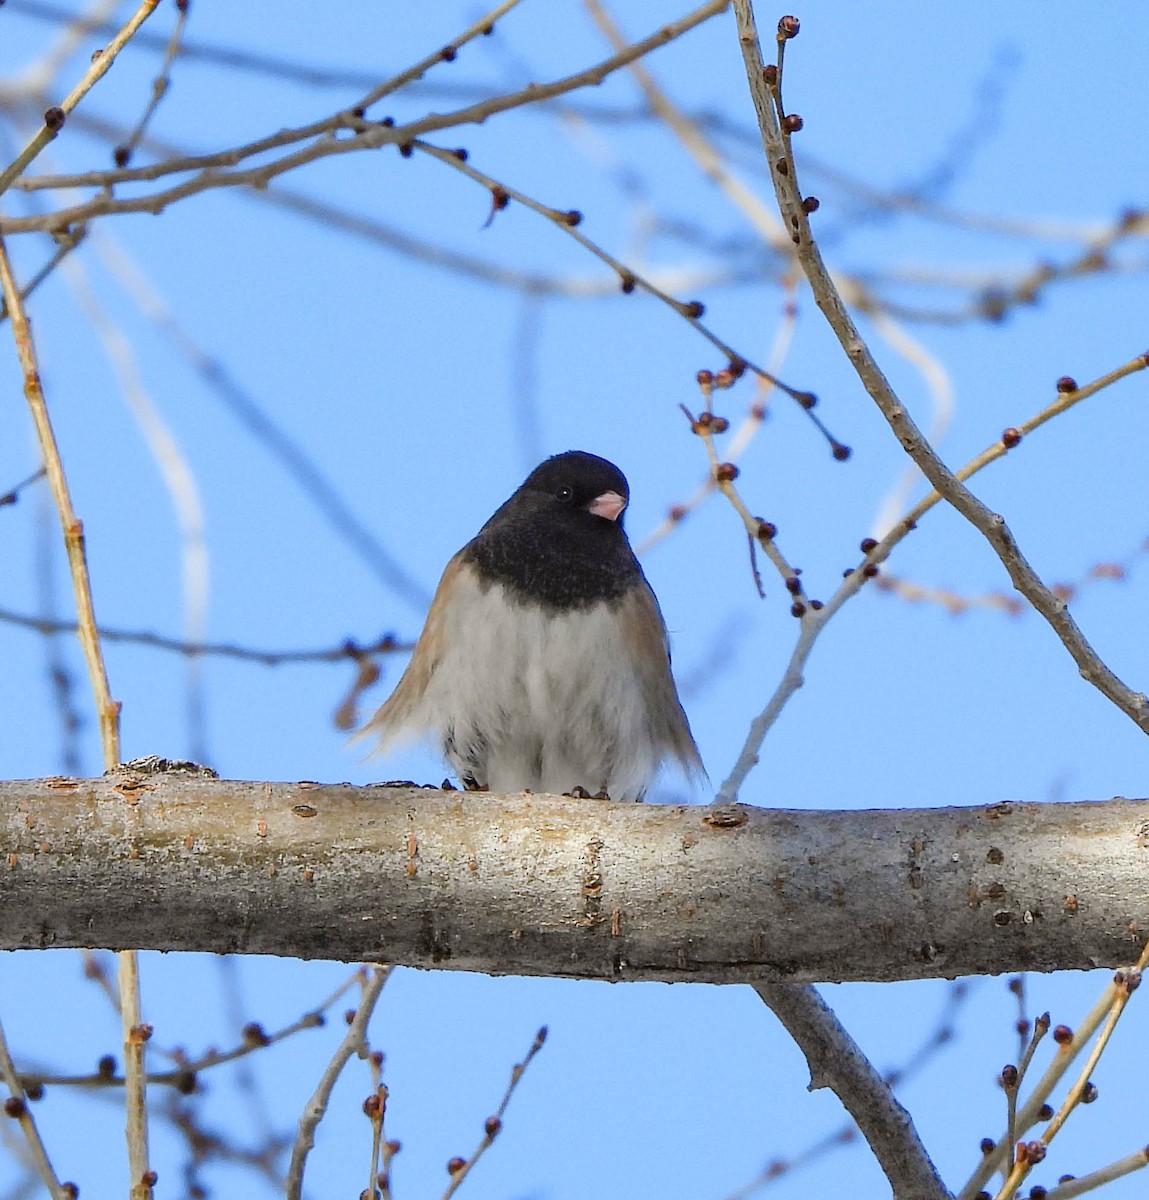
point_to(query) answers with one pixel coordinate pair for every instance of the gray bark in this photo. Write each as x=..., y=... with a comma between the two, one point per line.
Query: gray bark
x=544, y=885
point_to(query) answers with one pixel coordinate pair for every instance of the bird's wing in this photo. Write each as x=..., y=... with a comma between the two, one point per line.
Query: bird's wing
x=645, y=632
x=403, y=713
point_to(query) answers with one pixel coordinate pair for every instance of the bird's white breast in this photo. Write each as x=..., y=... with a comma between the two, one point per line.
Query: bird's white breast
x=553, y=698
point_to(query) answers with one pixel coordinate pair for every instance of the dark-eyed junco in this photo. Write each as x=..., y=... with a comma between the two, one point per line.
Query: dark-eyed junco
x=544, y=663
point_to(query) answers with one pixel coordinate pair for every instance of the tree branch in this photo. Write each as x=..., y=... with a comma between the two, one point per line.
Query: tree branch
x=547, y=885
x=836, y=1062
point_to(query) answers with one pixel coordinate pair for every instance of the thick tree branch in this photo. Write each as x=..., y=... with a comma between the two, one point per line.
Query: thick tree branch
x=543, y=885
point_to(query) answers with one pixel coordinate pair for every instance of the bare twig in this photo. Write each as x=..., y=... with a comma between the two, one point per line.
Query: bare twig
x=160, y=86
x=367, y=136
x=460, y=1168
x=55, y=117
x=355, y=1042
x=13, y=494
x=254, y=1038
x=836, y=1062
x=1095, y=1179
x=386, y=644
x=776, y=141
x=17, y=1106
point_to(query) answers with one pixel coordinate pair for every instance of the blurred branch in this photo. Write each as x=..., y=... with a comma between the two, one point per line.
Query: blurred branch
x=212, y=170
x=386, y=644
x=417, y=877
x=13, y=493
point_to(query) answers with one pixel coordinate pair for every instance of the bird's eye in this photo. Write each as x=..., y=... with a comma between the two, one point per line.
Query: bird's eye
x=565, y=494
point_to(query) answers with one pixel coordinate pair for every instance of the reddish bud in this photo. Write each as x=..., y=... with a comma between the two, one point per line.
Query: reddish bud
x=1010, y=437
x=373, y=1106
x=870, y=570
x=571, y=217
x=988, y=1145
x=1062, y=1035
x=788, y=27
x=106, y=1067
x=794, y=585
x=121, y=156
x=792, y=123
x=1009, y=1077
x=811, y=204
x=676, y=512
x=626, y=282
x=705, y=378
x=694, y=309
x=867, y=544
x=456, y=1165
x=816, y=605
x=797, y=609
x=1089, y=1093
x=54, y=118
x=14, y=1107
x=840, y=452
x=491, y=1126
x=253, y=1035
x=770, y=74
x=448, y=54
x=726, y=472
x=1067, y=384
x=767, y=530
x=719, y=424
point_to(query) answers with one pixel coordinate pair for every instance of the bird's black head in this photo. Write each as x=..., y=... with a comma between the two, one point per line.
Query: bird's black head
x=578, y=482
x=559, y=539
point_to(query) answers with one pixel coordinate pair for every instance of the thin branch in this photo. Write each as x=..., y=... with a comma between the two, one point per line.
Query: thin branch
x=89, y=636
x=836, y=1062
x=160, y=85
x=460, y=1169
x=17, y=1106
x=55, y=117
x=814, y=615
x=767, y=104
x=355, y=1042
x=136, y=1035
x=254, y=1038
x=13, y=494
x=1095, y=1179
x=368, y=136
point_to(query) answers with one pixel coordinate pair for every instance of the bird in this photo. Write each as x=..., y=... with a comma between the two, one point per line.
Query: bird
x=544, y=661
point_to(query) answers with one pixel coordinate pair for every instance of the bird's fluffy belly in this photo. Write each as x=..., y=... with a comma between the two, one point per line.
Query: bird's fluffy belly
x=523, y=697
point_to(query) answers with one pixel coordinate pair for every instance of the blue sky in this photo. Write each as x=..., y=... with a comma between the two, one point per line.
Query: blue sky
x=425, y=394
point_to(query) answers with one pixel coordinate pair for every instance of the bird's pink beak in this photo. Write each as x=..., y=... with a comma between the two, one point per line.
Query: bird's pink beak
x=608, y=505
